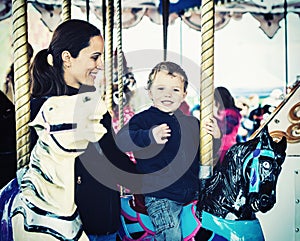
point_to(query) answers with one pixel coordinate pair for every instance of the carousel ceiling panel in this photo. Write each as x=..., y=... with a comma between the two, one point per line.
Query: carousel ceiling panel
x=130, y=16
x=139, y=4
x=125, y=3
x=82, y=3
x=47, y=2
x=50, y=14
x=193, y=19
x=268, y=12
x=269, y=23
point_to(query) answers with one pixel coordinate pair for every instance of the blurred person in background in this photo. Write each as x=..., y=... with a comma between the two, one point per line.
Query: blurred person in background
x=9, y=84
x=228, y=118
x=246, y=128
x=8, y=156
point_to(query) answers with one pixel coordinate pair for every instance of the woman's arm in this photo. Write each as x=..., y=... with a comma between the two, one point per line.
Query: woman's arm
x=111, y=150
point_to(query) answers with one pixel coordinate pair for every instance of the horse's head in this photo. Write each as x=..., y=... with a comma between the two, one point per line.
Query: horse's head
x=261, y=169
x=66, y=124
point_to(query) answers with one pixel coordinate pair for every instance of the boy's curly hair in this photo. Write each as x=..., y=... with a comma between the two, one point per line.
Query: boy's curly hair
x=172, y=68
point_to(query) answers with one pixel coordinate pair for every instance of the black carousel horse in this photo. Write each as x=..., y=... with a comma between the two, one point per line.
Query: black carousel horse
x=242, y=185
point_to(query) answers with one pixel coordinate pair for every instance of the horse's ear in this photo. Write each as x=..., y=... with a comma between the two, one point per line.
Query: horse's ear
x=282, y=144
x=280, y=149
x=265, y=139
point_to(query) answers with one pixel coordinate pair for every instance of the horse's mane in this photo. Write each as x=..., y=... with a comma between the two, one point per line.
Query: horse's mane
x=236, y=155
x=232, y=162
x=227, y=177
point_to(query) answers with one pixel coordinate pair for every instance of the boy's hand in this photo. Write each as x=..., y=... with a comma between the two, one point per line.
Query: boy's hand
x=161, y=133
x=212, y=128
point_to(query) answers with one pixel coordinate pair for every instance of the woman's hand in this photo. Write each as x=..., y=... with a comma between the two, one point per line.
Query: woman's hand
x=161, y=133
x=212, y=128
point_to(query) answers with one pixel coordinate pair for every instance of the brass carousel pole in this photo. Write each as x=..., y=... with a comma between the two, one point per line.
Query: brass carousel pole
x=66, y=10
x=103, y=81
x=109, y=54
x=165, y=6
x=120, y=69
x=206, y=87
x=87, y=7
x=21, y=78
x=120, y=61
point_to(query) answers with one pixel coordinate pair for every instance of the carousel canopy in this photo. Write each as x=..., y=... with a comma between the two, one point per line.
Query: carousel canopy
x=268, y=12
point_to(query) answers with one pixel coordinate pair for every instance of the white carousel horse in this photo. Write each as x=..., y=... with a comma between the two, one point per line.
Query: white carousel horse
x=42, y=206
x=245, y=183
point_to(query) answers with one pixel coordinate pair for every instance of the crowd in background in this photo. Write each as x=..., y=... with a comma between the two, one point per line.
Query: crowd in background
x=254, y=111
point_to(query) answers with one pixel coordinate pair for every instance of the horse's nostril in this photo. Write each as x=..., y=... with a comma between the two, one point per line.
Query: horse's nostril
x=264, y=200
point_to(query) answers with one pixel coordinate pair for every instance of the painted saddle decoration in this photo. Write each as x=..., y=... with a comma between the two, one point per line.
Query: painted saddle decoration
x=40, y=206
x=136, y=224
x=244, y=184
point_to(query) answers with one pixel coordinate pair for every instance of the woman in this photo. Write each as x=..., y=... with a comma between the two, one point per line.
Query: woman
x=69, y=65
x=228, y=117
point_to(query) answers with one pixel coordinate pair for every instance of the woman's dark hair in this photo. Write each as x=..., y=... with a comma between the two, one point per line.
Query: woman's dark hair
x=224, y=98
x=172, y=68
x=47, y=76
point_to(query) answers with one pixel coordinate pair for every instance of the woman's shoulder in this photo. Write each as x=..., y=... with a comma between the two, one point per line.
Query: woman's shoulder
x=36, y=104
x=38, y=101
x=232, y=111
x=233, y=115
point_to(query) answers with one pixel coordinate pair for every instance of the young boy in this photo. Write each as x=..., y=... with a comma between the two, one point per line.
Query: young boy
x=165, y=144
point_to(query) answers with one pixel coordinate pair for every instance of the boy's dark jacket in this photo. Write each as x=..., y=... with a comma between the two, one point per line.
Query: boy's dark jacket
x=98, y=205
x=177, y=160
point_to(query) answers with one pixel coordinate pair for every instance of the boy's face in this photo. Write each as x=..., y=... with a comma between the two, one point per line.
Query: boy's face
x=167, y=91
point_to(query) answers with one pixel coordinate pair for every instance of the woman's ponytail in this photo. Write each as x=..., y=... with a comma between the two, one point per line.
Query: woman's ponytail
x=45, y=76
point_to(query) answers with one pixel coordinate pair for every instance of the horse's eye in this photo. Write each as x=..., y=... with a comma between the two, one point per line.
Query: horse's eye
x=266, y=165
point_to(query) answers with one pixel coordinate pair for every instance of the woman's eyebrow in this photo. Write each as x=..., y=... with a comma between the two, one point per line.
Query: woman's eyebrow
x=97, y=53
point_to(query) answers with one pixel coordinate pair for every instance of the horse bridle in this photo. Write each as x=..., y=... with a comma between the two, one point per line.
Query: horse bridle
x=255, y=166
x=57, y=128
